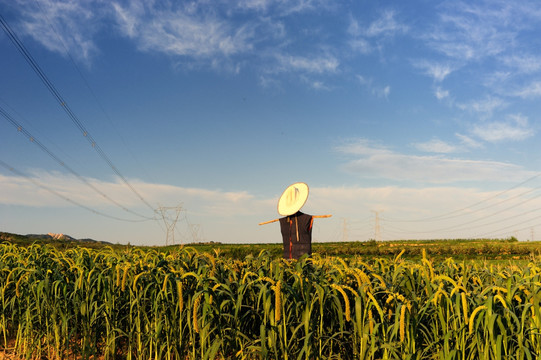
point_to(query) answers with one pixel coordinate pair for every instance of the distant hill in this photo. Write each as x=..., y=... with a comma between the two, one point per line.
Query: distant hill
x=54, y=239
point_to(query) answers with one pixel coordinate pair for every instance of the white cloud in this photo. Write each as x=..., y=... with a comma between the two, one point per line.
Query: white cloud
x=426, y=213
x=319, y=85
x=232, y=216
x=18, y=190
x=361, y=45
x=495, y=80
x=297, y=6
x=436, y=146
x=435, y=70
x=526, y=64
x=514, y=129
x=377, y=90
x=386, y=91
x=468, y=142
x=61, y=26
x=464, y=144
x=379, y=162
x=128, y=18
x=316, y=65
x=469, y=31
x=441, y=93
x=484, y=106
x=260, y=5
x=519, y=119
x=180, y=32
x=362, y=147
x=386, y=26
x=531, y=91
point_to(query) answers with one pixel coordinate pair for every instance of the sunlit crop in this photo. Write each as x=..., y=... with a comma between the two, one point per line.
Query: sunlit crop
x=141, y=304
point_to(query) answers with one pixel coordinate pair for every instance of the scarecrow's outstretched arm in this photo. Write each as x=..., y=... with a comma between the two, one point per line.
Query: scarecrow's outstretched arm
x=275, y=220
x=268, y=222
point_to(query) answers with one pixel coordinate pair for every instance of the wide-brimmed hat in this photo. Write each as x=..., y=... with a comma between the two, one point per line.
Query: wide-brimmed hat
x=292, y=199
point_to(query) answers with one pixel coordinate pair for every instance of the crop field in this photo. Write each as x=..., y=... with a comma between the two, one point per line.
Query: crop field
x=183, y=303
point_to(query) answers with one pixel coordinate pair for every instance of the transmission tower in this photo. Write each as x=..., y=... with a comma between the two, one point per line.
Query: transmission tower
x=345, y=230
x=197, y=234
x=169, y=221
x=377, y=230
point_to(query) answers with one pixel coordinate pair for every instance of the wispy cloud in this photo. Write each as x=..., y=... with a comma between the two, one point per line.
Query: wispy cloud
x=533, y=90
x=435, y=70
x=224, y=216
x=180, y=32
x=61, y=26
x=386, y=26
x=260, y=5
x=524, y=64
x=200, y=34
x=441, y=93
x=316, y=65
x=485, y=106
x=436, y=146
x=382, y=91
x=380, y=162
x=316, y=84
x=462, y=143
x=468, y=141
x=515, y=128
x=468, y=31
x=17, y=190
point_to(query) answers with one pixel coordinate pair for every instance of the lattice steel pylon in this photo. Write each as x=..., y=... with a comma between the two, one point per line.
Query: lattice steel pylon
x=170, y=222
x=377, y=228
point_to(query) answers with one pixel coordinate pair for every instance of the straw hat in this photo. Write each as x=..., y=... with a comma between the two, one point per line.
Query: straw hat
x=292, y=199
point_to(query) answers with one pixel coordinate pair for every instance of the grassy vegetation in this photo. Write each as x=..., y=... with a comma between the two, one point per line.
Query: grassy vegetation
x=183, y=303
x=494, y=250
x=481, y=249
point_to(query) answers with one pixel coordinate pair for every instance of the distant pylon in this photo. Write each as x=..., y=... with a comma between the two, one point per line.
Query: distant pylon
x=196, y=232
x=170, y=222
x=345, y=236
x=377, y=230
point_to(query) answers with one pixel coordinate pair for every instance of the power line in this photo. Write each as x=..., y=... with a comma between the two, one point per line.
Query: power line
x=63, y=104
x=56, y=193
x=35, y=130
x=447, y=215
x=61, y=41
x=463, y=226
x=35, y=141
x=513, y=226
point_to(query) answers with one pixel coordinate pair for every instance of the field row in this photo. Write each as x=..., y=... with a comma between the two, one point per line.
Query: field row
x=141, y=304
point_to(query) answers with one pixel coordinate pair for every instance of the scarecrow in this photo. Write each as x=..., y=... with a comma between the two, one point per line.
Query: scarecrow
x=296, y=227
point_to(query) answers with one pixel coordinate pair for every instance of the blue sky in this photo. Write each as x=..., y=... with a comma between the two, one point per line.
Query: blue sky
x=408, y=120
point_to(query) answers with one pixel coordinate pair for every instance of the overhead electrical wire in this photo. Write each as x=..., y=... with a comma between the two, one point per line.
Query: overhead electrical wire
x=58, y=147
x=56, y=193
x=66, y=50
x=459, y=212
x=35, y=141
x=509, y=218
x=447, y=216
x=63, y=104
x=513, y=226
x=461, y=226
